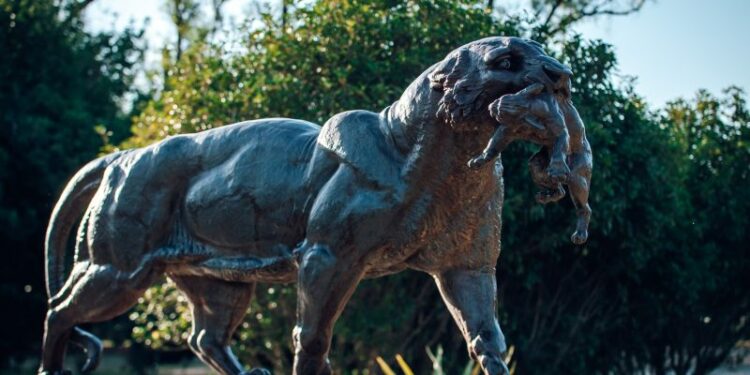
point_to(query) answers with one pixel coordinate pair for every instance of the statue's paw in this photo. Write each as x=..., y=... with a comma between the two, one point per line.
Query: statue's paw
x=257, y=371
x=550, y=195
x=56, y=372
x=579, y=237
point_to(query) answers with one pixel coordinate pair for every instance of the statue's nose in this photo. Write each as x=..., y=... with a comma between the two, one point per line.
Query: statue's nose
x=554, y=69
x=549, y=72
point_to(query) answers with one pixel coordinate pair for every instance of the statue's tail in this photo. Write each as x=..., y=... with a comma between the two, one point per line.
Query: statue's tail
x=69, y=209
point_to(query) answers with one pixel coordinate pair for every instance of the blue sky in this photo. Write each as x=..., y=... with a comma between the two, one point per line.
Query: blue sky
x=673, y=47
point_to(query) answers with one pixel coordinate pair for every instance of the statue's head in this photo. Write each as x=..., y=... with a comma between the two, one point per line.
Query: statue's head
x=474, y=75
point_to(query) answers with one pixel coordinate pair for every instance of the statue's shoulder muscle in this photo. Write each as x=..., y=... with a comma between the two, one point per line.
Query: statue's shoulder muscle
x=358, y=139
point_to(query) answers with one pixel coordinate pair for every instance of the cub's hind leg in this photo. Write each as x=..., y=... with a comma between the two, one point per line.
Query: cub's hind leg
x=549, y=189
x=579, y=185
x=218, y=308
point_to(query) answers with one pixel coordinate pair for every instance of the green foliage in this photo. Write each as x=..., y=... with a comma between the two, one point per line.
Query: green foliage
x=162, y=325
x=667, y=254
x=56, y=83
x=562, y=301
x=713, y=135
x=663, y=271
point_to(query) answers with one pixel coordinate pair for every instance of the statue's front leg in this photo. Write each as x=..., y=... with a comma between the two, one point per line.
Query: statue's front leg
x=346, y=222
x=326, y=282
x=471, y=298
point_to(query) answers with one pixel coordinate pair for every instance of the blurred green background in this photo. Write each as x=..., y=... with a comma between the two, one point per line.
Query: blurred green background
x=663, y=285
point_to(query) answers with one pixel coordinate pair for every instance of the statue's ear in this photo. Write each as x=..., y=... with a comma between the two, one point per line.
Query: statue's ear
x=450, y=70
x=439, y=75
x=466, y=91
x=562, y=87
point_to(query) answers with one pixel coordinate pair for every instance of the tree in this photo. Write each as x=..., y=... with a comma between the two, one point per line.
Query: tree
x=183, y=14
x=714, y=139
x=557, y=16
x=562, y=301
x=56, y=84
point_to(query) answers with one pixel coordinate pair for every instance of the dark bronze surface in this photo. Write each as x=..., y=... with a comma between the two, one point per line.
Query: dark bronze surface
x=282, y=200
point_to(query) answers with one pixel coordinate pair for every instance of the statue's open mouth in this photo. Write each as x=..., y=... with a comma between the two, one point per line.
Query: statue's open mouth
x=533, y=113
x=549, y=76
x=542, y=113
x=504, y=108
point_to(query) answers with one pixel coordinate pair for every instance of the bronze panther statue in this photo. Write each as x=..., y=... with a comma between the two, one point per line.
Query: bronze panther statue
x=282, y=200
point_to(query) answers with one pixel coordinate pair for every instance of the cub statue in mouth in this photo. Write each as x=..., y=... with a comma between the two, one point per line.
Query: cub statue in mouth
x=282, y=200
x=533, y=114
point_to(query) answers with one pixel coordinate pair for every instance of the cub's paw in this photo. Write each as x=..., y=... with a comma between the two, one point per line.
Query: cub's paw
x=579, y=237
x=558, y=171
x=550, y=195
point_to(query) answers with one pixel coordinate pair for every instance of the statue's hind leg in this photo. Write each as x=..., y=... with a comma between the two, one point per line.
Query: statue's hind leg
x=218, y=308
x=101, y=293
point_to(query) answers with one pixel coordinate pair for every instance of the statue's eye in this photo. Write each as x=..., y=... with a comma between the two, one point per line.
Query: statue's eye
x=501, y=64
x=504, y=64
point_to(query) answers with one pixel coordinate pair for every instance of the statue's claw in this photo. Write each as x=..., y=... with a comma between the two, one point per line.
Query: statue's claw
x=579, y=237
x=257, y=371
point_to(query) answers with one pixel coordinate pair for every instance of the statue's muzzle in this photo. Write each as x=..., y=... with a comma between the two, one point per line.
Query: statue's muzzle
x=548, y=72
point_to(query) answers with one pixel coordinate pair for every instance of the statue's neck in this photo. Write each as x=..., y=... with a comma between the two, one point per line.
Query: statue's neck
x=413, y=117
x=430, y=147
